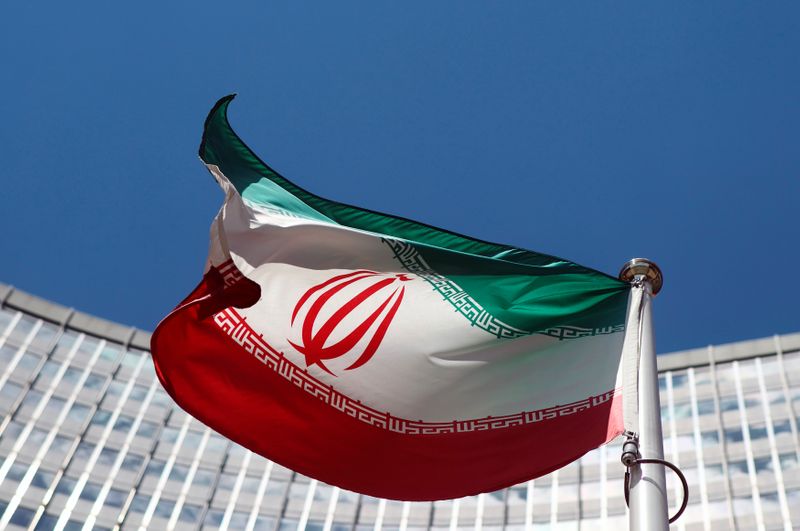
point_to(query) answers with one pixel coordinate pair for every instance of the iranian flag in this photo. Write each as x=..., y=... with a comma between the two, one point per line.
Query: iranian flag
x=386, y=356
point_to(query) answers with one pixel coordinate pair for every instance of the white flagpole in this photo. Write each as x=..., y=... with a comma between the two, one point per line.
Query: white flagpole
x=648, y=485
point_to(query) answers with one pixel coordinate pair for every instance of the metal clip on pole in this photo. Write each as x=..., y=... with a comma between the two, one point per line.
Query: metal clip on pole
x=630, y=449
x=631, y=457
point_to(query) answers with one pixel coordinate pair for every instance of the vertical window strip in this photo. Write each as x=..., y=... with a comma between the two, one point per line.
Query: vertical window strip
x=19, y=353
x=123, y=453
x=332, y=509
x=10, y=328
x=529, y=506
x=406, y=510
x=506, y=507
x=380, y=515
x=95, y=455
x=312, y=486
x=748, y=448
x=237, y=487
x=13, y=410
x=580, y=513
x=215, y=484
x=603, y=486
x=187, y=482
x=51, y=435
x=162, y=480
x=673, y=435
x=698, y=444
x=773, y=448
x=721, y=435
x=48, y=494
x=479, y=511
x=141, y=476
x=285, y=501
x=262, y=488
x=51, y=350
x=68, y=456
x=26, y=388
x=22, y=438
x=554, y=499
x=454, y=509
x=787, y=396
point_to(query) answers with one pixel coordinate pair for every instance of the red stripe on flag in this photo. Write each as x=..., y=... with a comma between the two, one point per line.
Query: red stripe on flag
x=284, y=415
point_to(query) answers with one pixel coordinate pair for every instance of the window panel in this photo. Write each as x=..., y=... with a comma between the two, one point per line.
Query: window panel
x=788, y=461
x=27, y=365
x=679, y=379
x=47, y=522
x=782, y=426
x=116, y=498
x=107, y=456
x=65, y=343
x=706, y=407
x=734, y=435
x=21, y=331
x=71, y=376
x=100, y=417
x=154, y=468
x=178, y=473
x=213, y=520
x=115, y=389
x=204, y=477
x=138, y=393
x=132, y=462
x=61, y=444
x=22, y=516
x=78, y=413
x=267, y=523
x=190, y=513
x=95, y=381
x=65, y=485
x=9, y=394
x=90, y=491
x=45, y=336
x=42, y=479
x=139, y=503
x=7, y=353
x=110, y=352
x=146, y=429
x=17, y=471
x=164, y=508
x=758, y=431
x=6, y=316
x=123, y=423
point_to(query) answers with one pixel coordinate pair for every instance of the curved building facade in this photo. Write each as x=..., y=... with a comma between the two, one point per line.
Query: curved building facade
x=89, y=440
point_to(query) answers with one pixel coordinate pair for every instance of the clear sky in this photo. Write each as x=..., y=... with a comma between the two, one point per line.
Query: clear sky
x=595, y=131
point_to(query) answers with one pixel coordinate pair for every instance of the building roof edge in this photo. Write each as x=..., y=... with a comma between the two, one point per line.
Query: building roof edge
x=76, y=320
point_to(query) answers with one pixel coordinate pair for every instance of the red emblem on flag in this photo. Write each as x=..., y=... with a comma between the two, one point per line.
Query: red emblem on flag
x=377, y=295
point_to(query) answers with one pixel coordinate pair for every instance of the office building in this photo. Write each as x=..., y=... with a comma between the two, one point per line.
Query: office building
x=89, y=439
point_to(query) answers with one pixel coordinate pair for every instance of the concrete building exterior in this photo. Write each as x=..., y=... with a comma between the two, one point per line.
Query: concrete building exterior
x=90, y=440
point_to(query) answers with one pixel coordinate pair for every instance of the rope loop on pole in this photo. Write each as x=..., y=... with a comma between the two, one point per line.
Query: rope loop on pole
x=643, y=461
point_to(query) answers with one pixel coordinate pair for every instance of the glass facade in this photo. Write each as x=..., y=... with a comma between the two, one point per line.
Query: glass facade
x=89, y=440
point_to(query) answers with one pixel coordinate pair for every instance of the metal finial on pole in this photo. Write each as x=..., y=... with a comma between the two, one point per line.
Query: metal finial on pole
x=644, y=268
x=648, y=487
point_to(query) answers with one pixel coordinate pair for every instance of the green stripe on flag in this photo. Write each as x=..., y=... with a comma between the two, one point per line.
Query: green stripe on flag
x=524, y=290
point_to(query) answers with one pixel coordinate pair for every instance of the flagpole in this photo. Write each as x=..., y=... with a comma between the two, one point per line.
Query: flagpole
x=648, y=485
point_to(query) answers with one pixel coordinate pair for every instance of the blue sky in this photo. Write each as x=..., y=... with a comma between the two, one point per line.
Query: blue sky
x=594, y=131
